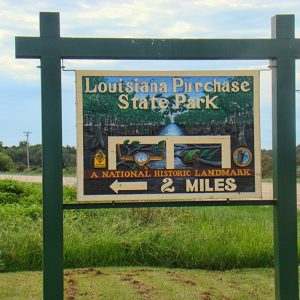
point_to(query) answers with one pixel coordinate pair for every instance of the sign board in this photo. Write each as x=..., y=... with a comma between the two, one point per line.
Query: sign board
x=171, y=135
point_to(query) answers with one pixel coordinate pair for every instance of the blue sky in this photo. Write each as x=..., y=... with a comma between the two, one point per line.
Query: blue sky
x=20, y=79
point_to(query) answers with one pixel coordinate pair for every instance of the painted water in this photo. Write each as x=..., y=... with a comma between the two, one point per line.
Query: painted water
x=169, y=130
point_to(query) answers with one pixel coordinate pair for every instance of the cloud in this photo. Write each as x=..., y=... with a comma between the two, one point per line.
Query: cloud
x=241, y=4
x=178, y=29
x=25, y=71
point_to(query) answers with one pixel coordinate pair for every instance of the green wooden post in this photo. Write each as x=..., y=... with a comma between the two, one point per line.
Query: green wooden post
x=284, y=164
x=52, y=163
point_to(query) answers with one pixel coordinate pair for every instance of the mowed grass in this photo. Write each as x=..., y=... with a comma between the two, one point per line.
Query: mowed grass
x=146, y=283
x=214, y=238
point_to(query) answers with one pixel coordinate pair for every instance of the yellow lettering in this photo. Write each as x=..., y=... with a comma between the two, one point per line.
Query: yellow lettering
x=87, y=87
x=179, y=98
x=124, y=100
x=94, y=175
x=219, y=184
x=191, y=187
x=230, y=185
x=244, y=86
x=177, y=83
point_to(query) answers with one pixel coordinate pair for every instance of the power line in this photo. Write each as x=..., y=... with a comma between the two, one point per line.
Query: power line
x=27, y=146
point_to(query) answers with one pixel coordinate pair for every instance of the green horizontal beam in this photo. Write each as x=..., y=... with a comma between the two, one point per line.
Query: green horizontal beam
x=168, y=204
x=141, y=49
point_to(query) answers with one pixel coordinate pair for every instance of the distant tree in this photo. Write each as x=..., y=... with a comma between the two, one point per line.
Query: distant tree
x=35, y=153
x=19, y=156
x=17, y=153
x=69, y=156
x=22, y=144
x=6, y=162
x=266, y=163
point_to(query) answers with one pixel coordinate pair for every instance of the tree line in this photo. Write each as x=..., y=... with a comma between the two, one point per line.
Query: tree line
x=14, y=159
x=266, y=162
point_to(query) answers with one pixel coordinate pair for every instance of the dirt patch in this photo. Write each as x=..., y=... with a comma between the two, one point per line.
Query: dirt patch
x=142, y=270
x=71, y=281
x=205, y=295
x=208, y=294
x=143, y=289
x=178, y=278
x=126, y=277
x=99, y=272
x=84, y=271
x=71, y=289
x=71, y=284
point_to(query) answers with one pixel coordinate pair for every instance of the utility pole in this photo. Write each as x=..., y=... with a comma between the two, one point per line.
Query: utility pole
x=27, y=145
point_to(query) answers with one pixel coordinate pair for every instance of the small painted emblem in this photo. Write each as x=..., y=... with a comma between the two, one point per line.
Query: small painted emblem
x=141, y=158
x=242, y=157
x=100, y=160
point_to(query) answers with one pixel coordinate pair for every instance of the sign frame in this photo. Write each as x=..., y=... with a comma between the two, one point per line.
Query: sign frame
x=282, y=50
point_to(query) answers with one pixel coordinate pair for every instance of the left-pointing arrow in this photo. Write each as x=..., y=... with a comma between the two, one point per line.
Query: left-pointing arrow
x=117, y=186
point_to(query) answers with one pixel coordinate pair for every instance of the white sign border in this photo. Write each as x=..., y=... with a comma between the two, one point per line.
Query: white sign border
x=170, y=197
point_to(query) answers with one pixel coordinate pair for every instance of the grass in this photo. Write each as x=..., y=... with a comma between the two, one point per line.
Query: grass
x=267, y=179
x=146, y=283
x=215, y=238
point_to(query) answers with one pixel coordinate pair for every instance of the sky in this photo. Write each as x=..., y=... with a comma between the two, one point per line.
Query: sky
x=20, y=93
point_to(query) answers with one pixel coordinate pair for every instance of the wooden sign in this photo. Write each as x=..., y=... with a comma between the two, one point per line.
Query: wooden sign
x=168, y=135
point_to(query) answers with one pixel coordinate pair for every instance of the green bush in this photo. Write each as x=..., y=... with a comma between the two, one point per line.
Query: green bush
x=69, y=194
x=12, y=191
x=34, y=211
x=6, y=162
x=2, y=265
x=14, y=187
x=6, y=198
x=33, y=170
x=18, y=167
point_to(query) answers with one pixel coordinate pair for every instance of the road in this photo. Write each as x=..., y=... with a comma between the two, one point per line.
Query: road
x=69, y=181
x=267, y=187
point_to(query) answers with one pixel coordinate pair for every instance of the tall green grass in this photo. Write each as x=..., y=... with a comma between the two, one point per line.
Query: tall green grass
x=205, y=237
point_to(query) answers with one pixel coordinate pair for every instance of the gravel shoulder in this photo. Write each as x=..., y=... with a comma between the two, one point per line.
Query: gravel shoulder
x=68, y=180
